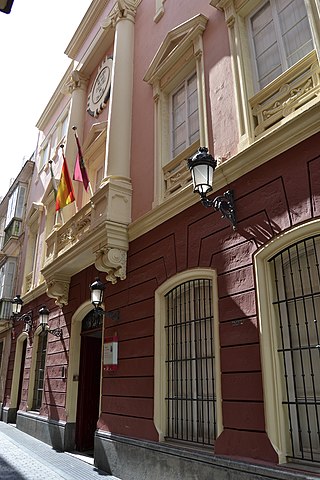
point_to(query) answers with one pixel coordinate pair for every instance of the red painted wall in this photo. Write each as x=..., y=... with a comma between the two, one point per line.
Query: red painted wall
x=274, y=197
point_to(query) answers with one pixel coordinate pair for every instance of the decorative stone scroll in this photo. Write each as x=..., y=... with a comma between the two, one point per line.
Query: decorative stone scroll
x=58, y=288
x=113, y=261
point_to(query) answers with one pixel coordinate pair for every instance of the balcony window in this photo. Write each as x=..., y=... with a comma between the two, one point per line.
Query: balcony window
x=7, y=276
x=281, y=36
x=13, y=230
x=16, y=204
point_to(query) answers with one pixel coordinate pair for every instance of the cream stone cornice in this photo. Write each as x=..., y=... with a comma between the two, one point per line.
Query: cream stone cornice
x=34, y=293
x=88, y=22
x=101, y=43
x=274, y=143
x=54, y=101
x=104, y=36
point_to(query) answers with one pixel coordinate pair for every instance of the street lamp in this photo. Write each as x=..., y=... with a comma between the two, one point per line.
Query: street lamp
x=97, y=289
x=43, y=322
x=17, y=304
x=202, y=166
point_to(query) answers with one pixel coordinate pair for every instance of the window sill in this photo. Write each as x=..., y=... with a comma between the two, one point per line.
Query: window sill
x=176, y=174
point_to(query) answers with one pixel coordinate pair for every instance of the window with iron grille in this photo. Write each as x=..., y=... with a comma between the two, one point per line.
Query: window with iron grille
x=1, y=352
x=190, y=363
x=40, y=369
x=296, y=273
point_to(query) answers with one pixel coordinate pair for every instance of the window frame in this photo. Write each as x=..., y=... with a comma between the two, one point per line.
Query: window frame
x=183, y=84
x=160, y=345
x=179, y=55
x=16, y=204
x=275, y=418
x=40, y=367
x=33, y=370
x=34, y=233
x=236, y=14
x=279, y=40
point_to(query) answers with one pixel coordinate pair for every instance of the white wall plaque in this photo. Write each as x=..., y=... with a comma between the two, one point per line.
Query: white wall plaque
x=100, y=91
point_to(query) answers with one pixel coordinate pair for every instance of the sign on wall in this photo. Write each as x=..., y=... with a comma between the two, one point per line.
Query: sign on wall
x=110, y=353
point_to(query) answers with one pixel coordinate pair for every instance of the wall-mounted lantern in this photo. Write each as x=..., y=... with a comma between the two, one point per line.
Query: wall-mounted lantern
x=97, y=289
x=17, y=304
x=27, y=318
x=202, y=166
x=44, y=320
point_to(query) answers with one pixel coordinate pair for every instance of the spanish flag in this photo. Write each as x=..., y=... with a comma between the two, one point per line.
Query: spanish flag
x=65, y=193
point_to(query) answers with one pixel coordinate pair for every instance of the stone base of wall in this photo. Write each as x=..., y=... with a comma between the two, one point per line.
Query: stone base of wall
x=60, y=435
x=9, y=415
x=131, y=459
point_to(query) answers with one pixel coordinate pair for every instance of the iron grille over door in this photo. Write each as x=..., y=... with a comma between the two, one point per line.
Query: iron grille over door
x=190, y=399
x=297, y=301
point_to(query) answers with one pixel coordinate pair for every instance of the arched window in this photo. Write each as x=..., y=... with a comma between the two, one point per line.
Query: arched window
x=296, y=300
x=187, y=381
x=288, y=295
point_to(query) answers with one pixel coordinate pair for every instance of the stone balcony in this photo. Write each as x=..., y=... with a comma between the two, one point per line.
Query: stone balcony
x=295, y=89
x=96, y=234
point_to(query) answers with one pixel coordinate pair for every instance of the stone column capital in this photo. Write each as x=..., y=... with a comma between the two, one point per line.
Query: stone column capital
x=124, y=10
x=76, y=81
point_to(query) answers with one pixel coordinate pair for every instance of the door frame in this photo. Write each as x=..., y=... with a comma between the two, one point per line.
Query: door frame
x=74, y=361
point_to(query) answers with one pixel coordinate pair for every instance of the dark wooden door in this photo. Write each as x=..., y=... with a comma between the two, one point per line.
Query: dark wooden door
x=88, y=392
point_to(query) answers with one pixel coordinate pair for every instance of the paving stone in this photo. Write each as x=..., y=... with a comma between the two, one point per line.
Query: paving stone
x=23, y=457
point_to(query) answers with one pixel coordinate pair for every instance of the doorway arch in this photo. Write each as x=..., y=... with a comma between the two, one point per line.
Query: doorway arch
x=80, y=346
x=17, y=377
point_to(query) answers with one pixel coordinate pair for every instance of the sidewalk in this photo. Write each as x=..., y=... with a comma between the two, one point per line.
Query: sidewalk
x=23, y=457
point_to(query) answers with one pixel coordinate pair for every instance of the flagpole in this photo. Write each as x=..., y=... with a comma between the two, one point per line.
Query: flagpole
x=74, y=128
x=55, y=190
x=65, y=160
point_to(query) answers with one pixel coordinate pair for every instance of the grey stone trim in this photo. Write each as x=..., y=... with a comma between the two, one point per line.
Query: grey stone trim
x=132, y=459
x=9, y=415
x=60, y=435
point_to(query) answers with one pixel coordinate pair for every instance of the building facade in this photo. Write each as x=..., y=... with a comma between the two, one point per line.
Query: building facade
x=205, y=361
x=12, y=222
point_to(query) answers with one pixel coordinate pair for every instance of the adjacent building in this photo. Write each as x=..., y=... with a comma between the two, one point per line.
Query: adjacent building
x=206, y=360
x=12, y=227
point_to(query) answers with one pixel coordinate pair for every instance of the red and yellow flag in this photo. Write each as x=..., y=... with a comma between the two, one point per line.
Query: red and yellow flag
x=65, y=193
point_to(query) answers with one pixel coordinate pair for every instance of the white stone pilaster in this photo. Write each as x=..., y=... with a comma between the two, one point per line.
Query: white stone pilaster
x=118, y=147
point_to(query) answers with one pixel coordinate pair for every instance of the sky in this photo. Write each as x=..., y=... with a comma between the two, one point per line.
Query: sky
x=33, y=38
